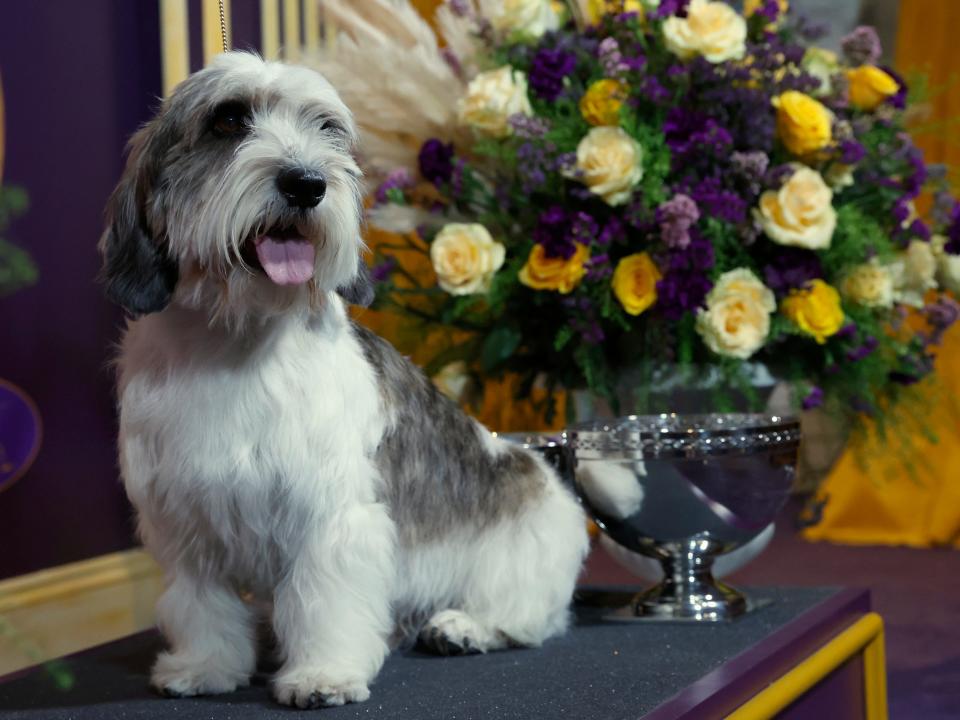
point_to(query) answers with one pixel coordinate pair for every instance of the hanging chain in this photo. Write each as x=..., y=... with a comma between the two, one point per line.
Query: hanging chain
x=223, y=27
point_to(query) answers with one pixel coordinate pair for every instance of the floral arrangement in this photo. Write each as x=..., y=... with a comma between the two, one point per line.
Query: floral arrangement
x=600, y=186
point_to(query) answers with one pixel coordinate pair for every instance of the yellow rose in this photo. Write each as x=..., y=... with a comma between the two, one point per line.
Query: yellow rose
x=465, y=258
x=711, y=29
x=803, y=124
x=914, y=272
x=528, y=17
x=800, y=213
x=601, y=103
x=492, y=97
x=635, y=283
x=554, y=273
x=736, y=321
x=823, y=65
x=815, y=309
x=610, y=163
x=870, y=285
x=596, y=9
x=870, y=86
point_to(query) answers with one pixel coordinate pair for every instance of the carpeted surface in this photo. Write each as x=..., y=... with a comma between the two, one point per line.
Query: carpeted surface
x=916, y=591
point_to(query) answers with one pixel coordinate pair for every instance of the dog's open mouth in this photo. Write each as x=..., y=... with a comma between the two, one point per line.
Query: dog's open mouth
x=283, y=254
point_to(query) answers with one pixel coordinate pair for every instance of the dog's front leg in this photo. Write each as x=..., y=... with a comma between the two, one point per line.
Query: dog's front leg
x=332, y=611
x=211, y=634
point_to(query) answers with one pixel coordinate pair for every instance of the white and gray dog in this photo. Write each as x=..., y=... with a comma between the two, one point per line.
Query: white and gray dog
x=273, y=448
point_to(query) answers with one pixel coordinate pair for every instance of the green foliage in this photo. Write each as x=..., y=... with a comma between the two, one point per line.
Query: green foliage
x=17, y=270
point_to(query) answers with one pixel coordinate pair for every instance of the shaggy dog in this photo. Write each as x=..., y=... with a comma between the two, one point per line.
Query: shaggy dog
x=272, y=447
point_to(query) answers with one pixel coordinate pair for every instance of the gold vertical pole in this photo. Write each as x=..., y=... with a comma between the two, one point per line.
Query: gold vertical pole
x=291, y=30
x=270, y=28
x=311, y=24
x=174, y=43
x=210, y=23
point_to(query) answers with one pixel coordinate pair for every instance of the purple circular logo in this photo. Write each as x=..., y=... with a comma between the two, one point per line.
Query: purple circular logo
x=20, y=433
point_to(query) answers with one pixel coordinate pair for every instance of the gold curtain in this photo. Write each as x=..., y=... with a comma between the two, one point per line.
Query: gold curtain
x=884, y=501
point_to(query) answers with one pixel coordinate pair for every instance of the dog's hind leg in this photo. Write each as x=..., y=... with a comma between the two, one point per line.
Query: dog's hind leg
x=211, y=633
x=518, y=587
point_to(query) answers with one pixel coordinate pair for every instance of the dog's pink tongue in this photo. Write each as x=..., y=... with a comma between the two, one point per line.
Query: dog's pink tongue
x=286, y=262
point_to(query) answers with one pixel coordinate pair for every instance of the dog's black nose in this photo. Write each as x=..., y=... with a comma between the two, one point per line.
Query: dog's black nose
x=301, y=187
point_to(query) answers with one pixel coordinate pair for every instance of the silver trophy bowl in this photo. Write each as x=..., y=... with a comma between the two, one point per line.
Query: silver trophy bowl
x=685, y=489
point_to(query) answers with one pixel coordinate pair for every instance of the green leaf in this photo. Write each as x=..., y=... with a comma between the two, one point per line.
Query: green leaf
x=499, y=346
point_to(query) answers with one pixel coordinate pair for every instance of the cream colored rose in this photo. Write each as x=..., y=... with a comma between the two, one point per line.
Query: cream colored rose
x=800, y=213
x=610, y=163
x=914, y=272
x=465, y=257
x=528, y=17
x=737, y=319
x=870, y=285
x=948, y=266
x=492, y=97
x=453, y=380
x=823, y=65
x=839, y=176
x=712, y=29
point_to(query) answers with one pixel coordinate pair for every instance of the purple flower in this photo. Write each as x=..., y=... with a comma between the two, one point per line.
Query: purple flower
x=681, y=293
x=719, y=202
x=436, y=161
x=676, y=216
x=613, y=232
x=399, y=179
x=941, y=315
x=769, y=10
x=814, y=398
x=953, y=231
x=583, y=228
x=547, y=71
x=553, y=233
x=862, y=46
x=851, y=152
x=382, y=270
x=898, y=99
x=791, y=268
x=869, y=344
x=671, y=7
x=611, y=59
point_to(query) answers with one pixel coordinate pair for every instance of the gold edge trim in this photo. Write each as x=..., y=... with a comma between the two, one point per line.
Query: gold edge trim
x=55, y=583
x=779, y=694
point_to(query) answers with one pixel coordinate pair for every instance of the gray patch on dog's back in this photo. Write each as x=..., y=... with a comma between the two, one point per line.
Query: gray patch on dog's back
x=438, y=473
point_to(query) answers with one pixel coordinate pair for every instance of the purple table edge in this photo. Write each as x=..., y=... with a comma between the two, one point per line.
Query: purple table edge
x=722, y=690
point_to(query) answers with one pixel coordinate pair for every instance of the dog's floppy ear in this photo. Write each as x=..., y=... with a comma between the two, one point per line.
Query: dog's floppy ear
x=359, y=291
x=138, y=273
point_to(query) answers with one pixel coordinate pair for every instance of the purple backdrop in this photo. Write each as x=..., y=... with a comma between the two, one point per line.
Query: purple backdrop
x=78, y=78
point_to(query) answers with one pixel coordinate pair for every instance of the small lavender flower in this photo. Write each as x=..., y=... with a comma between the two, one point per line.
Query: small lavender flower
x=528, y=127
x=611, y=59
x=460, y=8
x=436, y=161
x=941, y=315
x=814, y=398
x=676, y=216
x=862, y=46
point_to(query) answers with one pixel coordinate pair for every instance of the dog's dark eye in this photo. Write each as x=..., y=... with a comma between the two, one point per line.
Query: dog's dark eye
x=332, y=126
x=231, y=119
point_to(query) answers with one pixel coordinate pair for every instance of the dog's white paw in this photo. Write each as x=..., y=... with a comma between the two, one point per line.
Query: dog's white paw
x=311, y=688
x=175, y=676
x=453, y=632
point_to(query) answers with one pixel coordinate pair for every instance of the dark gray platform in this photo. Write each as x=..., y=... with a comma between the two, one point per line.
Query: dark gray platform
x=596, y=671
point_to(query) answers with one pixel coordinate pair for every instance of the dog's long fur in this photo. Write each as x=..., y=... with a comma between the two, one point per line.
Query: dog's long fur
x=271, y=446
